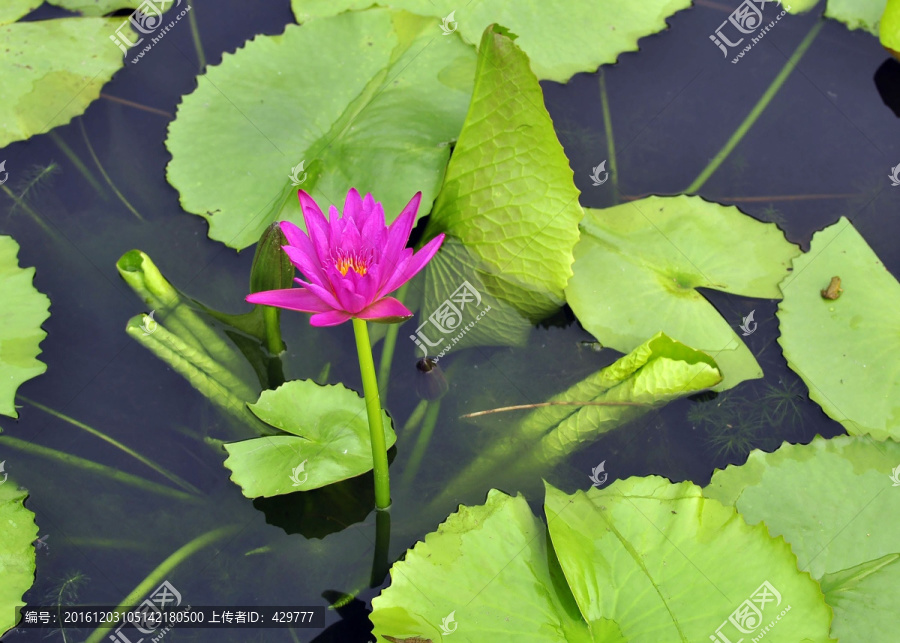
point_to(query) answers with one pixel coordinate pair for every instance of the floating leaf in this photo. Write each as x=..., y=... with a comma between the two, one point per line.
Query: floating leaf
x=638, y=266
x=23, y=311
x=492, y=566
x=101, y=7
x=645, y=561
x=846, y=349
x=889, y=27
x=509, y=199
x=368, y=100
x=835, y=502
x=12, y=10
x=16, y=552
x=52, y=70
x=329, y=441
x=856, y=14
x=648, y=560
x=562, y=38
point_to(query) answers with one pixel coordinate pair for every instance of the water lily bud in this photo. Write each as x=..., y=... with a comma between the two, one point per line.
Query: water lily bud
x=272, y=268
x=430, y=381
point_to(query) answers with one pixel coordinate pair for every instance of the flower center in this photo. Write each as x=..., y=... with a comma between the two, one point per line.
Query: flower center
x=345, y=261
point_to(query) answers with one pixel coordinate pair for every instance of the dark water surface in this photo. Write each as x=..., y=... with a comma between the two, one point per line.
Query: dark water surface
x=831, y=130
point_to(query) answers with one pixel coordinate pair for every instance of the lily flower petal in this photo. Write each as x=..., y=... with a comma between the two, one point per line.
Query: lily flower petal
x=387, y=308
x=299, y=299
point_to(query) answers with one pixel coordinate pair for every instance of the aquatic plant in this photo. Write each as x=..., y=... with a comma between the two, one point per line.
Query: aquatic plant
x=352, y=261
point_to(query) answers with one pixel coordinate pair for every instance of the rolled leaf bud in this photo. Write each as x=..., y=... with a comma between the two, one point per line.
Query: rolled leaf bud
x=272, y=268
x=430, y=381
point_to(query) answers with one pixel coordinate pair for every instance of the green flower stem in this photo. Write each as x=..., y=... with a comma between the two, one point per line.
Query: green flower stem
x=387, y=350
x=381, y=562
x=159, y=574
x=272, y=316
x=373, y=408
x=184, y=484
x=428, y=424
x=94, y=467
x=757, y=110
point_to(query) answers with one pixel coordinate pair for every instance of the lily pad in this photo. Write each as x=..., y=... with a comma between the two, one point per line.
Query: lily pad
x=648, y=560
x=638, y=267
x=101, y=7
x=490, y=569
x=12, y=10
x=24, y=310
x=16, y=552
x=845, y=349
x=368, y=100
x=889, y=27
x=329, y=440
x=508, y=198
x=856, y=14
x=645, y=561
x=837, y=503
x=53, y=69
x=561, y=38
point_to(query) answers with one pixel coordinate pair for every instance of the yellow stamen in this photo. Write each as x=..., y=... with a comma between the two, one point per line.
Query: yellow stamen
x=345, y=263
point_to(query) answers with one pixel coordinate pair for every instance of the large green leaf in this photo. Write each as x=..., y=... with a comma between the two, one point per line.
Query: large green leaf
x=508, y=197
x=562, y=38
x=856, y=14
x=329, y=441
x=490, y=569
x=847, y=350
x=836, y=503
x=52, y=70
x=12, y=10
x=367, y=100
x=648, y=560
x=638, y=266
x=16, y=551
x=889, y=27
x=100, y=7
x=643, y=561
x=23, y=311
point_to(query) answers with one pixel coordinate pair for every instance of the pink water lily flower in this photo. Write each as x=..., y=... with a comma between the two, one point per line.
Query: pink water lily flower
x=351, y=261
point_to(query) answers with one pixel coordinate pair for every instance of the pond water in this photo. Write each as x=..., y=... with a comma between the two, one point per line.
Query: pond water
x=822, y=149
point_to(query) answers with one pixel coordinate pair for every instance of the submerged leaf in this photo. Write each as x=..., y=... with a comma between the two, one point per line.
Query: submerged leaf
x=22, y=312
x=846, y=349
x=329, y=442
x=638, y=267
x=368, y=100
x=562, y=38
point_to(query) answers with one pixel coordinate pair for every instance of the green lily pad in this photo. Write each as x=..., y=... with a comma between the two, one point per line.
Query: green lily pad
x=12, y=10
x=329, y=441
x=845, y=349
x=16, y=552
x=53, y=69
x=490, y=569
x=837, y=503
x=644, y=561
x=509, y=198
x=368, y=100
x=856, y=14
x=889, y=27
x=23, y=311
x=638, y=266
x=648, y=560
x=562, y=38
